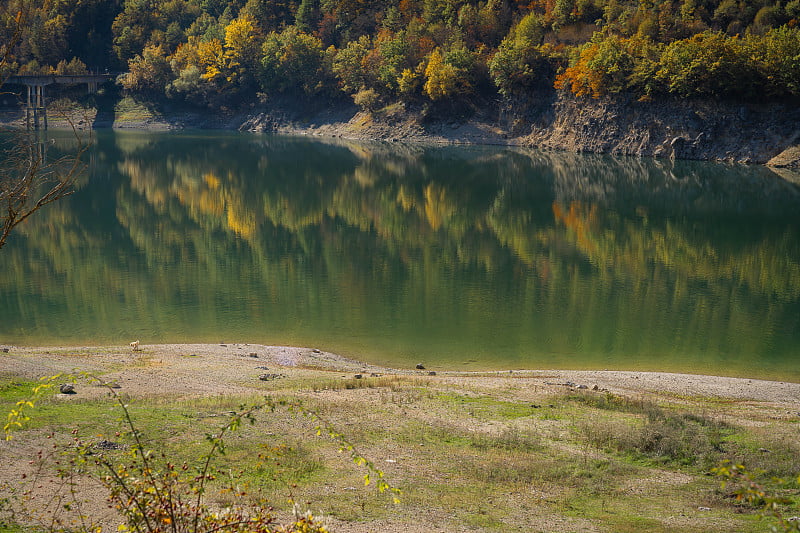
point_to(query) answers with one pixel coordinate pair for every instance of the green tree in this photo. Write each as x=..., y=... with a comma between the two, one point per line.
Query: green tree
x=132, y=28
x=708, y=64
x=388, y=60
x=518, y=59
x=562, y=13
x=778, y=55
x=271, y=15
x=293, y=60
x=308, y=16
x=49, y=39
x=349, y=65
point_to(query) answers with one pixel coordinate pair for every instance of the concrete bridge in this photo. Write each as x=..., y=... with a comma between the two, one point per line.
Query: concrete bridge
x=36, y=103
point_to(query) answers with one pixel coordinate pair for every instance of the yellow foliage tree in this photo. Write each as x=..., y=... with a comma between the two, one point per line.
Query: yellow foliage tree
x=443, y=80
x=242, y=49
x=210, y=56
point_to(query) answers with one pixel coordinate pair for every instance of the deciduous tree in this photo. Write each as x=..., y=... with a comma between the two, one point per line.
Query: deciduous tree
x=28, y=179
x=514, y=66
x=292, y=59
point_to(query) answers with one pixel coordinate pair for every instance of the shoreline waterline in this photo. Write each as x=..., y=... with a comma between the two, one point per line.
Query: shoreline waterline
x=178, y=358
x=397, y=364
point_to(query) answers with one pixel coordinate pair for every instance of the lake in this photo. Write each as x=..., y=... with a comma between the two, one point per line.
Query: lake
x=458, y=257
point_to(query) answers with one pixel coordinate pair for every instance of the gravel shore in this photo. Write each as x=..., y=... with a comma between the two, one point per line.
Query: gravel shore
x=198, y=369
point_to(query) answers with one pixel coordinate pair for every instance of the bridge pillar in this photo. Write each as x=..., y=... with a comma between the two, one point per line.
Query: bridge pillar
x=28, y=109
x=36, y=105
x=43, y=105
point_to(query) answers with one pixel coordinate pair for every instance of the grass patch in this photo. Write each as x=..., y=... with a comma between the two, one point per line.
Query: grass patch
x=12, y=391
x=486, y=408
x=596, y=460
x=653, y=433
x=614, y=402
x=674, y=440
x=13, y=528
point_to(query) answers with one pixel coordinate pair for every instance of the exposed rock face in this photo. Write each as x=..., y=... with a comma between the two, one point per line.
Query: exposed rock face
x=666, y=128
x=669, y=128
x=789, y=158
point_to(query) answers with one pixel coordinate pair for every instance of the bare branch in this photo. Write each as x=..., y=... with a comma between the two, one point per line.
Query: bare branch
x=28, y=179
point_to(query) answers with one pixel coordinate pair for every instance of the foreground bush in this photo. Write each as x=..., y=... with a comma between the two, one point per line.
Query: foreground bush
x=153, y=494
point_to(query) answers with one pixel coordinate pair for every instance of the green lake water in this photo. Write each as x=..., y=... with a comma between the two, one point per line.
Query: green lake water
x=458, y=257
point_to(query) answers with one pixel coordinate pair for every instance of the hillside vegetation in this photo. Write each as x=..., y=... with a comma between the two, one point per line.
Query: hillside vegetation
x=220, y=53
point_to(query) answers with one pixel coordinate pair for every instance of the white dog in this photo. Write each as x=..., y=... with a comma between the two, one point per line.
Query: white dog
x=135, y=345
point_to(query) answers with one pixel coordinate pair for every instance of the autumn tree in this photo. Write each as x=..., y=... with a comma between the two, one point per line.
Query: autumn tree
x=293, y=60
x=603, y=66
x=242, y=47
x=144, y=23
x=29, y=180
x=447, y=76
x=148, y=72
x=518, y=60
x=198, y=68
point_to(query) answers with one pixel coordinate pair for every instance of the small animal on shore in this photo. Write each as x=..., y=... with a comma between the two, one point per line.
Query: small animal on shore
x=135, y=346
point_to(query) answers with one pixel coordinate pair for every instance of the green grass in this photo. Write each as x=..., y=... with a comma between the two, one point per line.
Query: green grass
x=12, y=390
x=13, y=528
x=493, y=464
x=485, y=407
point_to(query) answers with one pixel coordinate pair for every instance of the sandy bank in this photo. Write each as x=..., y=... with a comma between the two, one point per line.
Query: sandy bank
x=200, y=369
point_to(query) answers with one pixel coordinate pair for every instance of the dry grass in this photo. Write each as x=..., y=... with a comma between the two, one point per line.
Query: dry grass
x=490, y=453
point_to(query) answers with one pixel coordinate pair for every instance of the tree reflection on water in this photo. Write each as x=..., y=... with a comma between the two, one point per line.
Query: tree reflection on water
x=500, y=256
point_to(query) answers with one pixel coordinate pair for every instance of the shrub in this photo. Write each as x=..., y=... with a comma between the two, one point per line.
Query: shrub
x=367, y=99
x=156, y=495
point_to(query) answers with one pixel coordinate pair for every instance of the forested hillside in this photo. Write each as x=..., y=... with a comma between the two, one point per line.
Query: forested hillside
x=223, y=52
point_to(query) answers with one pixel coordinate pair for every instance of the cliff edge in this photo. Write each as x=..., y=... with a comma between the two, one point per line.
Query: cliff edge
x=666, y=128
x=679, y=129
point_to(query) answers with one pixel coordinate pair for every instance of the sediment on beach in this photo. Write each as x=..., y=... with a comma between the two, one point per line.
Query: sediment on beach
x=543, y=450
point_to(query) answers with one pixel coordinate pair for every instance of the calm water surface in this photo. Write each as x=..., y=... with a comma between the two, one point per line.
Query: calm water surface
x=459, y=257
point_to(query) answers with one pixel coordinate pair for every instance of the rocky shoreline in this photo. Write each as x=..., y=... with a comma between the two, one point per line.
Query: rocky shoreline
x=676, y=129
x=191, y=369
